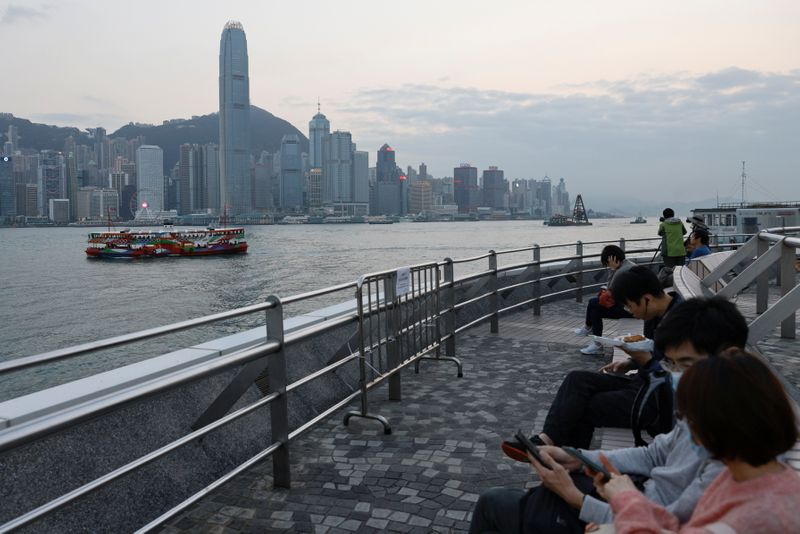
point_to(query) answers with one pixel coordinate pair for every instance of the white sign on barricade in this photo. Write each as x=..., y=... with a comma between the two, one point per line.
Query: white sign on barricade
x=403, y=284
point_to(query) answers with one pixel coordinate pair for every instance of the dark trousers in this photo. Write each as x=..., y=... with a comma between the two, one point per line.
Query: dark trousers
x=587, y=400
x=511, y=511
x=595, y=313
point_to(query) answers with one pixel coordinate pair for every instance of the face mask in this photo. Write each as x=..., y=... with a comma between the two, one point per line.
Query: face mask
x=699, y=450
x=676, y=376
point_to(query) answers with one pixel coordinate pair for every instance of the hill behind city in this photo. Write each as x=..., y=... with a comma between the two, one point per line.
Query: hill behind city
x=266, y=133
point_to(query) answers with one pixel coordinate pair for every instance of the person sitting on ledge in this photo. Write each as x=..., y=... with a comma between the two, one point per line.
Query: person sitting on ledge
x=698, y=244
x=737, y=412
x=604, y=306
x=589, y=399
x=675, y=474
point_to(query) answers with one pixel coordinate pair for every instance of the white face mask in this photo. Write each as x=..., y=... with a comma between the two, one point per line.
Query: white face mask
x=676, y=376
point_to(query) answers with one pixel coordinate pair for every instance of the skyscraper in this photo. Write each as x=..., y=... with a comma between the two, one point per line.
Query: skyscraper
x=337, y=168
x=465, y=188
x=388, y=186
x=52, y=178
x=291, y=177
x=150, y=177
x=234, y=121
x=318, y=128
x=495, y=188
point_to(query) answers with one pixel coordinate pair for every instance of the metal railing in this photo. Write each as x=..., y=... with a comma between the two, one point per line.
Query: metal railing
x=762, y=252
x=403, y=316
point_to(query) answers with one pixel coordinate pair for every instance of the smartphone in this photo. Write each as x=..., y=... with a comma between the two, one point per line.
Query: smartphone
x=534, y=450
x=591, y=464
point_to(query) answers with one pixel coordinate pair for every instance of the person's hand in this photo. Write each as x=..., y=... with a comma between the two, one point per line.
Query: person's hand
x=569, y=462
x=613, y=263
x=591, y=527
x=617, y=368
x=616, y=485
x=557, y=479
x=639, y=356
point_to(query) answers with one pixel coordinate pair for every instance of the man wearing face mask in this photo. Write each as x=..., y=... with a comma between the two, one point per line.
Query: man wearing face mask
x=676, y=472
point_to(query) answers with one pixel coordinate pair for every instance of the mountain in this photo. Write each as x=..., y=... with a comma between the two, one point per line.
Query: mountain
x=40, y=136
x=266, y=133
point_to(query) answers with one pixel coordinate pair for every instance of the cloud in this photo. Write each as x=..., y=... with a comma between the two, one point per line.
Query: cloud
x=15, y=14
x=682, y=131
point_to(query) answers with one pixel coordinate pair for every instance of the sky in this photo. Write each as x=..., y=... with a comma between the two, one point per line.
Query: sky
x=626, y=100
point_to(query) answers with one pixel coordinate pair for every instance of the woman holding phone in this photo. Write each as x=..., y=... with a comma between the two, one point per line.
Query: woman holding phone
x=738, y=412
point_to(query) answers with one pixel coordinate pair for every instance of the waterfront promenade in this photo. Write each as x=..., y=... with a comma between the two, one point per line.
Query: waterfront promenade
x=445, y=446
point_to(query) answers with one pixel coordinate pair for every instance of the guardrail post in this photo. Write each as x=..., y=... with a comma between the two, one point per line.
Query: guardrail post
x=537, y=277
x=579, y=276
x=448, y=304
x=622, y=243
x=788, y=325
x=762, y=282
x=393, y=357
x=279, y=408
x=493, y=299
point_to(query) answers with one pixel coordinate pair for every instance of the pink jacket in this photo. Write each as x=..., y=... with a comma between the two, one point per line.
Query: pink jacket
x=767, y=504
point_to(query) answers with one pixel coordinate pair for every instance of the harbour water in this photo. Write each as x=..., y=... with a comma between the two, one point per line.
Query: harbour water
x=52, y=296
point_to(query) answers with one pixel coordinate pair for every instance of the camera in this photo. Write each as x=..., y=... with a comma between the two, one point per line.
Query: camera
x=661, y=219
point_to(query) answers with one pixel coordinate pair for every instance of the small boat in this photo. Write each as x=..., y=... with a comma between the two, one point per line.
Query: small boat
x=639, y=220
x=125, y=244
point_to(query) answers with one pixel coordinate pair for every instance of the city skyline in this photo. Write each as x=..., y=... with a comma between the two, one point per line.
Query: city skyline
x=611, y=97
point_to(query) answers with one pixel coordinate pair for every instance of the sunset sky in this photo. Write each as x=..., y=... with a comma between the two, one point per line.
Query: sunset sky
x=621, y=98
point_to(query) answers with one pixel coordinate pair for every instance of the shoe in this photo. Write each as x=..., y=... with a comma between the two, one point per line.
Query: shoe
x=582, y=332
x=592, y=348
x=516, y=451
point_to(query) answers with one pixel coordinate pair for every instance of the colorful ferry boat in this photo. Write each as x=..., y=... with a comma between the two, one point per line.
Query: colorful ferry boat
x=127, y=244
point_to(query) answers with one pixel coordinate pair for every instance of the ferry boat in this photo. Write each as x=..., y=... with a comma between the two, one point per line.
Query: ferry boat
x=124, y=244
x=730, y=222
x=639, y=220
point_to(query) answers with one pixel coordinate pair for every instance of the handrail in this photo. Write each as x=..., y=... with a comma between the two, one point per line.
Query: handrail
x=440, y=315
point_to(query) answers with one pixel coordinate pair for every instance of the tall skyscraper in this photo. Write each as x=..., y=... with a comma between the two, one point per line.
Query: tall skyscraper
x=234, y=120
x=495, y=188
x=52, y=178
x=389, y=190
x=150, y=177
x=8, y=207
x=291, y=176
x=318, y=128
x=361, y=177
x=465, y=188
x=337, y=168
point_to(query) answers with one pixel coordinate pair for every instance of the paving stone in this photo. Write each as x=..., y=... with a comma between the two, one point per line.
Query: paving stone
x=444, y=449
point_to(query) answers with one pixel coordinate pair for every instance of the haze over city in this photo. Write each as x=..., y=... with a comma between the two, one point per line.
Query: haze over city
x=625, y=99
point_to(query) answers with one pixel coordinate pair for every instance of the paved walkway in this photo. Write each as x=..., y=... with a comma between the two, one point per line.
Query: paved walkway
x=445, y=445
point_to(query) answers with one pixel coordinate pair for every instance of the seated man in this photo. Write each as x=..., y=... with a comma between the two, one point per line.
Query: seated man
x=589, y=399
x=597, y=308
x=676, y=472
x=698, y=244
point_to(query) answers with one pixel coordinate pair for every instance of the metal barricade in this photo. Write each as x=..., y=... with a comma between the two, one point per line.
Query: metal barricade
x=398, y=323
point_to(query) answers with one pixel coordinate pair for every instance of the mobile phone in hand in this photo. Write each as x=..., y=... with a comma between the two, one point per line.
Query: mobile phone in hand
x=533, y=449
x=591, y=464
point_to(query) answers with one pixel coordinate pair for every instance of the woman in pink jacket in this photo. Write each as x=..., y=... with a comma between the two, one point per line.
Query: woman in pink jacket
x=740, y=414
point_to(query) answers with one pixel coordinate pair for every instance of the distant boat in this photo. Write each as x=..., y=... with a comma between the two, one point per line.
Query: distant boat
x=578, y=218
x=639, y=220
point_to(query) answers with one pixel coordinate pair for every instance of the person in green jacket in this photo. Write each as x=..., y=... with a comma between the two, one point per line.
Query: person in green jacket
x=672, y=230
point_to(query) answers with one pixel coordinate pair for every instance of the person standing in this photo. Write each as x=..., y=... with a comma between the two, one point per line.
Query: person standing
x=672, y=230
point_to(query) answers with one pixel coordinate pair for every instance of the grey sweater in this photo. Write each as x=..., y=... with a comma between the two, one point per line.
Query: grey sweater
x=678, y=476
